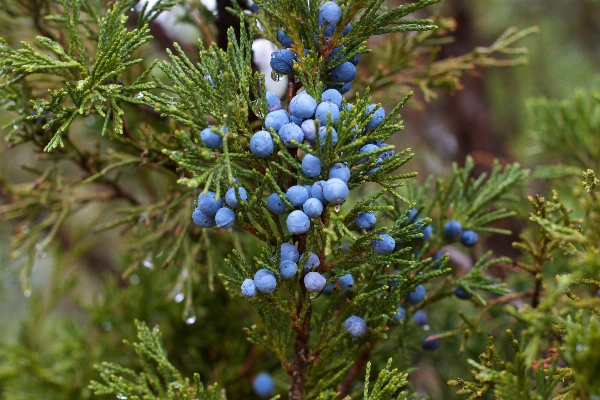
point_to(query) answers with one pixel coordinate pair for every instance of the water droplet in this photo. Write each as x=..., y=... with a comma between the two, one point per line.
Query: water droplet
x=140, y=95
x=179, y=297
x=142, y=217
x=426, y=327
x=156, y=331
x=106, y=326
x=190, y=320
x=337, y=208
x=121, y=396
x=276, y=76
x=134, y=279
x=27, y=292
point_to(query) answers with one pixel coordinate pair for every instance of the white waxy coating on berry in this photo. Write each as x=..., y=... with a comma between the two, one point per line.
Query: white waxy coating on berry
x=323, y=136
x=311, y=261
x=225, y=218
x=314, y=281
x=311, y=166
x=209, y=204
x=333, y=96
x=289, y=252
x=309, y=130
x=249, y=288
x=276, y=119
x=275, y=204
x=297, y=222
x=288, y=269
x=265, y=280
x=335, y=191
x=261, y=144
x=366, y=220
x=329, y=14
x=211, y=139
x=273, y=102
x=325, y=108
x=231, y=197
x=297, y=195
x=356, y=326
x=316, y=191
x=303, y=106
x=340, y=171
x=313, y=208
x=385, y=245
x=203, y=220
x=346, y=282
x=291, y=132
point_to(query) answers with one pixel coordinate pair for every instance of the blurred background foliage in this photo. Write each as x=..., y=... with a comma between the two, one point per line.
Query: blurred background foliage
x=81, y=306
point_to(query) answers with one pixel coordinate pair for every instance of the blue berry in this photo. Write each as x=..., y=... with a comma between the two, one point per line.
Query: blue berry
x=376, y=118
x=297, y=195
x=284, y=39
x=291, y=132
x=355, y=60
x=332, y=96
x=295, y=120
x=249, y=288
x=297, y=222
x=265, y=280
x=209, y=204
x=276, y=119
x=428, y=344
x=437, y=264
x=452, y=229
x=346, y=29
x=231, y=199
x=461, y=293
x=288, y=269
x=342, y=88
x=289, y=252
x=417, y=296
x=325, y=108
x=345, y=72
x=356, y=326
x=316, y=191
x=211, y=139
x=311, y=166
x=420, y=317
x=366, y=220
x=254, y=8
x=225, y=218
x=261, y=144
x=329, y=288
x=303, y=106
x=311, y=261
x=275, y=204
x=263, y=385
x=469, y=238
x=282, y=61
x=400, y=314
x=313, y=208
x=323, y=136
x=412, y=214
x=335, y=191
x=385, y=245
x=427, y=232
x=346, y=282
x=366, y=148
x=329, y=14
x=203, y=220
x=314, y=281
x=340, y=171
x=273, y=102
x=309, y=130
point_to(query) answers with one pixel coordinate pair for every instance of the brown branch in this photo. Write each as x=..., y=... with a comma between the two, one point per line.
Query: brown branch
x=344, y=387
x=301, y=358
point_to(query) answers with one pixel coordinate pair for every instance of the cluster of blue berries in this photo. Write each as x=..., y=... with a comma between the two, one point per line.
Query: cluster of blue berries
x=342, y=74
x=453, y=230
x=210, y=210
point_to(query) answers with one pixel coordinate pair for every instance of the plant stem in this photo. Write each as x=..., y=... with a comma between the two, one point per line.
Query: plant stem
x=300, y=351
x=344, y=387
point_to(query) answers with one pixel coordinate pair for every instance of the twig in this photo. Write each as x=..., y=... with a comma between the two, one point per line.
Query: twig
x=344, y=387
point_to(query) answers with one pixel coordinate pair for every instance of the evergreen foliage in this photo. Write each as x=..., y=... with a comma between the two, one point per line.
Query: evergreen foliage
x=146, y=161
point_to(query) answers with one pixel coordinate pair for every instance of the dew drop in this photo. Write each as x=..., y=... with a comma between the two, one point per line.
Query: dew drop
x=134, y=279
x=27, y=292
x=179, y=297
x=190, y=320
x=426, y=327
x=140, y=95
x=276, y=76
x=121, y=396
x=147, y=264
x=337, y=208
